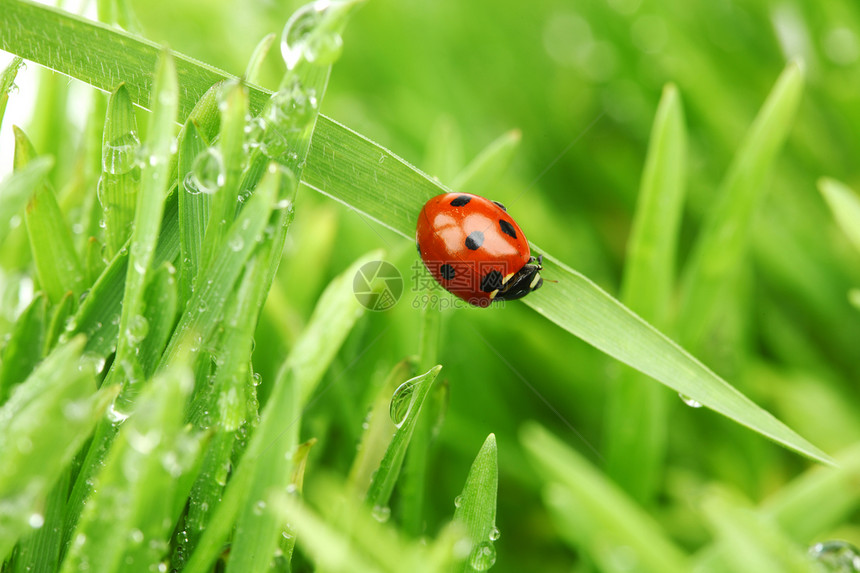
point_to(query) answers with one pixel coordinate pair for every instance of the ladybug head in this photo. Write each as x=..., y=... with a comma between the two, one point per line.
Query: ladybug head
x=524, y=281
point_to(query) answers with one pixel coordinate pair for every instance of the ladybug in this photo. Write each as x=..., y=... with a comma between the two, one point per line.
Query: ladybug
x=475, y=250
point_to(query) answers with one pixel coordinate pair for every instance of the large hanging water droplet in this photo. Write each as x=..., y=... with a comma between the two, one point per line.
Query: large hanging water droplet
x=401, y=403
x=119, y=155
x=836, y=556
x=313, y=32
x=483, y=556
x=207, y=173
x=690, y=402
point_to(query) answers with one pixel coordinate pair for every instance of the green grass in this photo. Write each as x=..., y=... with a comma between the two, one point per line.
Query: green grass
x=188, y=382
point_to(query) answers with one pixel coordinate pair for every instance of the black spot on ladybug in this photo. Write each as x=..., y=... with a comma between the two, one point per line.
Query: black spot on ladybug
x=474, y=240
x=491, y=281
x=507, y=229
x=460, y=200
x=447, y=271
x=500, y=206
x=417, y=246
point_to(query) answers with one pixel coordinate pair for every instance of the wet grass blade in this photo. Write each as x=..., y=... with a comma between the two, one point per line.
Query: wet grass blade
x=592, y=513
x=355, y=171
x=17, y=188
x=246, y=502
x=845, y=205
x=636, y=410
x=120, y=179
x=57, y=263
x=193, y=207
x=7, y=80
x=722, y=244
x=406, y=405
x=128, y=519
x=44, y=423
x=476, y=507
x=148, y=214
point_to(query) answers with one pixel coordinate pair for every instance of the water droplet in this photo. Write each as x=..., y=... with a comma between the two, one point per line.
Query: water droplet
x=495, y=533
x=92, y=361
x=483, y=556
x=836, y=556
x=254, y=131
x=207, y=173
x=236, y=243
x=116, y=415
x=119, y=155
x=259, y=507
x=458, y=501
x=690, y=402
x=401, y=402
x=381, y=513
x=313, y=33
x=289, y=112
x=36, y=520
x=138, y=328
x=256, y=379
x=136, y=536
x=144, y=442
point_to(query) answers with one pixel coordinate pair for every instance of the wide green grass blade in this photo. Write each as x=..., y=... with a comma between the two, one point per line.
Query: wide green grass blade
x=406, y=404
x=845, y=205
x=57, y=263
x=17, y=188
x=370, y=179
x=43, y=424
x=721, y=248
x=126, y=522
x=120, y=179
x=636, y=411
x=476, y=507
x=593, y=514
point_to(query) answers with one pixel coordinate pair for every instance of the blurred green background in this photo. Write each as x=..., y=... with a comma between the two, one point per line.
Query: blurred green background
x=435, y=82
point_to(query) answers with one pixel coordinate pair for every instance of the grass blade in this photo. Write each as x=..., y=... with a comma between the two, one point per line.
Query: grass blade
x=57, y=263
x=126, y=522
x=406, y=406
x=148, y=215
x=722, y=244
x=636, y=411
x=7, y=80
x=476, y=507
x=120, y=179
x=265, y=464
x=592, y=513
x=23, y=350
x=17, y=188
x=193, y=208
x=489, y=166
x=44, y=423
x=845, y=205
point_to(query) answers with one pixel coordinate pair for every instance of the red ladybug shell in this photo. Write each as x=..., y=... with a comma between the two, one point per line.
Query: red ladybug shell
x=472, y=247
